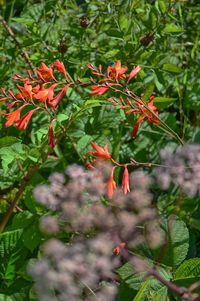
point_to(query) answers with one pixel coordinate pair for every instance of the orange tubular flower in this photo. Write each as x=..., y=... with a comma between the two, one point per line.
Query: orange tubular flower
x=125, y=180
x=4, y=98
x=111, y=184
x=117, y=72
x=37, y=91
x=100, y=153
x=45, y=73
x=45, y=93
x=119, y=248
x=145, y=113
x=13, y=117
x=55, y=101
x=10, y=105
x=51, y=138
x=60, y=66
x=25, y=92
x=22, y=123
x=102, y=89
x=98, y=90
x=136, y=127
x=133, y=73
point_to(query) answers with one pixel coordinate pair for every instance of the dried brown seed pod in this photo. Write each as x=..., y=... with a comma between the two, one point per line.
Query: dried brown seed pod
x=62, y=47
x=146, y=39
x=84, y=21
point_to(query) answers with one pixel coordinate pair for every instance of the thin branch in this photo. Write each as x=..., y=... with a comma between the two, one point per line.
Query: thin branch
x=24, y=54
x=18, y=209
x=26, y=180
x=18, y=195
x=180, y=291
x=163, y=125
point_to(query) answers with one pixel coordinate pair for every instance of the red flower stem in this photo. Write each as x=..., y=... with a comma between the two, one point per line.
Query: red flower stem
x=139, y=164
x=146, y=164
x=116, y=163
x=180, y=291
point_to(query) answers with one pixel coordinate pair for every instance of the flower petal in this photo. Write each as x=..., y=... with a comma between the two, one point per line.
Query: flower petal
x=111, y=185
x=60, y=66
x=55, y=101
x=125, y=180
x=23, y=122
x=51, y=138
x=136, y=127
x=133, y=73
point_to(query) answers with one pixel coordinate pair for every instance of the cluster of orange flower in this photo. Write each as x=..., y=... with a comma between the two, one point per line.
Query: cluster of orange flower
x=36, y=93
x=138, y=106
x=114, y=75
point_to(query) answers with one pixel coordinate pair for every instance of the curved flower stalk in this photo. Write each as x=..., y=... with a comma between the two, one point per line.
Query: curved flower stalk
x=36, y=93
x=116, y=79
x=102, y=154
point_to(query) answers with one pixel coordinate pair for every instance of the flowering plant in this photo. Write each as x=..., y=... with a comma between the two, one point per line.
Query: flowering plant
x=99, y=151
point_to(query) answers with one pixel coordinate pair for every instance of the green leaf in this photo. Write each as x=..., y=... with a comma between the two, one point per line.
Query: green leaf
x=164, y=99
x=177, y=235
x=115, y=33
x=22, y=220
x=132, y=279
x=4, y=297
x=196, y=135
x=172, y=28
x=195, y=223
x=62, y=117
x=163, y=102
x=6, y=161
x=83, y=143
x=9, y=254
x=8, y=141
x=8, y=241
x=38, y=135
x=19, y=292
x=123, y=22
x=23, y=21
x=34, y=154
x=137, y=281
x=32, y=237
x=162, y=6
x=10, y=268
x=159, y=295
x=125, y=292
x=149, y=90
x=172, y=68
x=153, y=20
x=142, y=291
x=91, y=103
x=188, y=272
x=112, y=53
x=11, y=153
